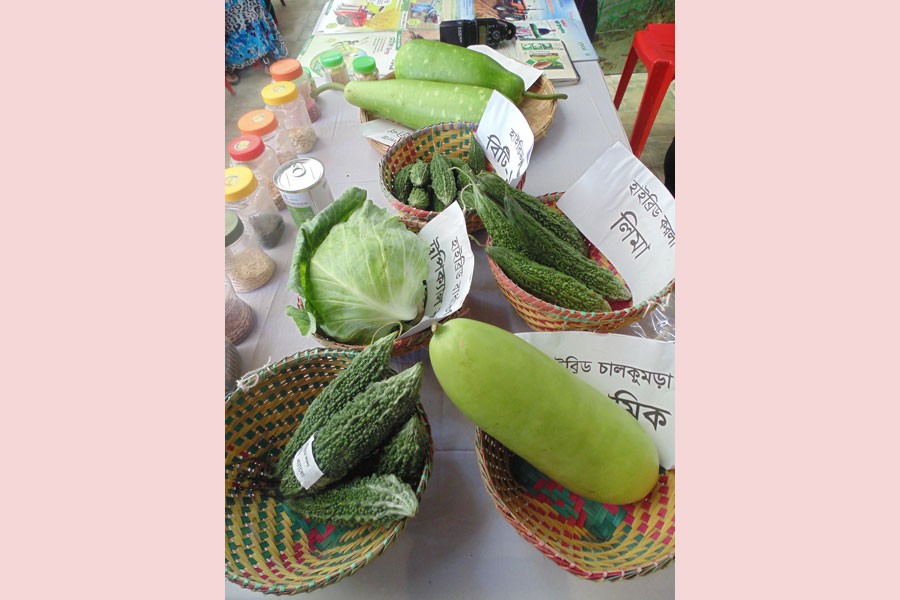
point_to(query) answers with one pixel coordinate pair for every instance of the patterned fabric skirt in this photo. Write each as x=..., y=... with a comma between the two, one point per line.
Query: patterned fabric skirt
x=250, y=34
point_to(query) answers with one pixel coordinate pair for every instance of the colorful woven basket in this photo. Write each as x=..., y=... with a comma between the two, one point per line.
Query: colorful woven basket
x=592, y=540
x=267, y=547
x=451, y=139
x=538, y=113
x=543, y=316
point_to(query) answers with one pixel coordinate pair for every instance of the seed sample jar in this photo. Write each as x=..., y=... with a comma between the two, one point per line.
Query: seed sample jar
x=250, y=151
x=335, y=67
x=364, y=68
x=265, y=124
x=290, y=69
x=283, y=99
x=239, y=317
x=254, y=206
x=232, y=367
x=247, y=266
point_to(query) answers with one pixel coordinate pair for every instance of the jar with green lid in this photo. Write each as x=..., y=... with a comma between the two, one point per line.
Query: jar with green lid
x=246, y=197
x=283, y=98
x=364, y=68
x=247, y=266
x=335, y=67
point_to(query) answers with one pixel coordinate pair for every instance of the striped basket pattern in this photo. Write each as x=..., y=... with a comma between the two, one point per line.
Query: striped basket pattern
x=544, y=316
x=450, y=139
x=591, y=540
x=269, y=548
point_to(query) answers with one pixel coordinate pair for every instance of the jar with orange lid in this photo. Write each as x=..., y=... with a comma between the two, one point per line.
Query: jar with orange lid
x=290, y=69
x=246, y=197
x=265, y=124
x=251, y=152
x=283, y=98
x=247, y=266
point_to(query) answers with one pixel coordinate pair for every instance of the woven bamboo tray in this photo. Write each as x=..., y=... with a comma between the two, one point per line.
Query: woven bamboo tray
x=544, y=316
x=267, y=548
x=451, y=139
x=538, y=113
x=636, y=538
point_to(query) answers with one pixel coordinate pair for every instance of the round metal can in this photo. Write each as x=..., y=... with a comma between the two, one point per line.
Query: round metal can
x=302, y=184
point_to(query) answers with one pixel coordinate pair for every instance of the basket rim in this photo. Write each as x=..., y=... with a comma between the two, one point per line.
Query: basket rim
x=568, y=313
x=261, y=376
x=544, y=548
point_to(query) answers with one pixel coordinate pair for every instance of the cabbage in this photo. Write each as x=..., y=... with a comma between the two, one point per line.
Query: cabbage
x=359, y=272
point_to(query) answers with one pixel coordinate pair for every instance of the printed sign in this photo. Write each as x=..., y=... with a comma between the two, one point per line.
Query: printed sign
x=637, y=373
x=383, y=130
x=629, y=215
x=304, y=464
x=528, y=73
x=506, y=138
x=452, y=266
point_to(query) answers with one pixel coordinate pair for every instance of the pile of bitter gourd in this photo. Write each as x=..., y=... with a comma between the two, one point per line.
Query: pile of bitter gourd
x=435, y=184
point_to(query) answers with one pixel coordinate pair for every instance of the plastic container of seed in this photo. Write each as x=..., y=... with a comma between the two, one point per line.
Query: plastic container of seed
x=364, y=68
x=239, y=317
x=251, y=152
x=290, y=69
x=304, y=188
x=265, y=124
x=283, y=98
x=252, y=203
x=247, y=265
x=335, y=67
x=232, y=367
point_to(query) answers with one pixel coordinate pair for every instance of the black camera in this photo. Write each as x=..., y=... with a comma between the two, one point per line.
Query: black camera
x=468, y=32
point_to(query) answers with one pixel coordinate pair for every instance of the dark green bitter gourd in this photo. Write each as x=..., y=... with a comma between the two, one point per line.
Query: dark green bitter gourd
x=359, y=428
x=402, y=184
x=405, y=453
x=442, y=181
x=497, y=223
x=420, y=174
x=372, y=499
x=547, y=283
x=419, y=198
x=477, y=159
x=549, y=250
x=370, y=365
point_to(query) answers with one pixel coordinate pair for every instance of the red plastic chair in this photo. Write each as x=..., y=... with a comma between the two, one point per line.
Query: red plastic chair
x=655, y=46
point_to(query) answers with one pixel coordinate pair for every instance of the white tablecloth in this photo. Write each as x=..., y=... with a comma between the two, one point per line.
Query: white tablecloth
x=458, y=546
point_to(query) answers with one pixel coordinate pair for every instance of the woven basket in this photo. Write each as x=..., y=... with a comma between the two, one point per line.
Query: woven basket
x=594, y=541
x=543, y=316
x=269, y=549
x=452, y=139
x=538, y=113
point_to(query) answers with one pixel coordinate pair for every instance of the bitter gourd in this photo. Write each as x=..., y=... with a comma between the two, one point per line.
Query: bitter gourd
x=497, y=223
x=476, y=156
x=442, y=181
x=549, y=250
x=402, y=184
x=419, y=198
x=359, y=428
x=547, y=283
x=420, y=174
x=460, y=169
x=405, y=453
x=370, y=499
x=367, y=367
x=556, y=222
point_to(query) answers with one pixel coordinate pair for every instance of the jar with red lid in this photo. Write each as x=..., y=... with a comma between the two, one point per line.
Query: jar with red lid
x=265, y=124
x=290, y=69
x=283, y=99
x=250, y=151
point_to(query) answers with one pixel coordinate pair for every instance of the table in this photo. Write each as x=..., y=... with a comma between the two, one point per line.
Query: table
x=458, y=546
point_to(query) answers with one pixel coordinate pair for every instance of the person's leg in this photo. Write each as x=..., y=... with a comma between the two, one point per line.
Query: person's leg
x=669, y=168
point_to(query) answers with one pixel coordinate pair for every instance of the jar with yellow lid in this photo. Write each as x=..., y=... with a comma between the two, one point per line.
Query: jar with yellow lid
x=247, y=266
x=290, y=69
x=334, y=66
x=283, y=99
x=245, y=196
x=251, y=152
x=265, y=124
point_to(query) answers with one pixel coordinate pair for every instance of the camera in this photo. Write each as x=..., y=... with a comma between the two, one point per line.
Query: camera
x=468, y=32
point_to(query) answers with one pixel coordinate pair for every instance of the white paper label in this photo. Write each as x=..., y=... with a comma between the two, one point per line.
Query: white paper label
x=451, y=266
x=637, y=373
x=624, y=210
x=383, y=131
x=528, y=73
x=306, y=470
x=506, y=137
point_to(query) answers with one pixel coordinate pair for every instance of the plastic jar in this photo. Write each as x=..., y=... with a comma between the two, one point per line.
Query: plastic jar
x=239, y=317
x=364, y=68
x=265, y=124
x=335, y=68
x=283, y=99
x=232, y=367
x=247, y=266
x=250, y=151
x=244, y=195
x=290, y=69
